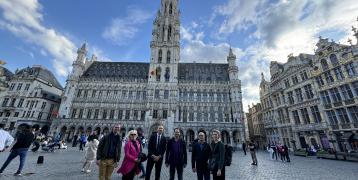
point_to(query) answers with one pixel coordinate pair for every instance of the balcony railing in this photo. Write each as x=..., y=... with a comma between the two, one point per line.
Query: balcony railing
x=349, y=101
x=335, y=126
x=327, y=106
x=337, y=104
x=346, y=126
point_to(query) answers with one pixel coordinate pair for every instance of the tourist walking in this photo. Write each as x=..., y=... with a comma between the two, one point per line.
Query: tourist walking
x=252, y=149
x=244, y=146
x=176, y=156
x=75, y=140
x=24, y=140
x=200, y=156
x=286, y=153
x=130, y=164
x=91, y=150
x=108, y=153
x=5, y=138
x=216, y=164
x=156, y=149
x=274, y=154
x=83, y=141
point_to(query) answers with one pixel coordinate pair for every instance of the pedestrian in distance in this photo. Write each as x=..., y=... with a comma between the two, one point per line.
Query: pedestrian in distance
x=274, y=154
x=201, y=153
x=176, y=156
x=5, y=139
x=286, y=153
x=75, y=140
x=252, y=148
x=156, y=149
x=108, y=153
x=24, y=140
x=130, y=164
x=217, y=160
x=244, y=146
x=83, y=141
x=90, y=155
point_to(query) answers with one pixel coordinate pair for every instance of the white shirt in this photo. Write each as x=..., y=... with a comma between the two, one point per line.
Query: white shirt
x=5, y=139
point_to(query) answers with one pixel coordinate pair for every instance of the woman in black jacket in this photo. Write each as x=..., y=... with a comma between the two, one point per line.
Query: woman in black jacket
x=217, y=156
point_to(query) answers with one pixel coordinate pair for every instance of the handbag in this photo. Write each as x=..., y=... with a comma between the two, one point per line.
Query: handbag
x=142, y=157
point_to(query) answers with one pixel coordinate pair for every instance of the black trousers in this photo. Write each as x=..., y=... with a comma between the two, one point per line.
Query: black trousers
x=130, y=175
x=179, y=169
x=274, y=154
x=222, y=177
x=244, y=151
x=158, y=168
x=203, y=174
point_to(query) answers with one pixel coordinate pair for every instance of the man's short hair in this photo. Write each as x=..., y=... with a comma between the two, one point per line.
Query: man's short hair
x=2, y=126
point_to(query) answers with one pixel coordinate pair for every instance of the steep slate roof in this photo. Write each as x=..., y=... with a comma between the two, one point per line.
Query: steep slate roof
x=125, y=70
x=203, y=72
x=38, y=72
x=135, y=70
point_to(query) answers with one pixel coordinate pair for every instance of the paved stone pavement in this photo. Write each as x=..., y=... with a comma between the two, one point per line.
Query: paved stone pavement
x=66, y=164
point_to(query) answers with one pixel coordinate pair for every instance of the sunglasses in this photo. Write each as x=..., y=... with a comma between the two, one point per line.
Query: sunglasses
x=133, y=134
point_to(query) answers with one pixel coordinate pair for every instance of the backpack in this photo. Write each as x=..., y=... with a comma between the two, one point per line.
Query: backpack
x=228, y=155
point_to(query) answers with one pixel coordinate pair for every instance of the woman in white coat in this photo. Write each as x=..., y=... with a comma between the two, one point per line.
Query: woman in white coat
x=91, y=150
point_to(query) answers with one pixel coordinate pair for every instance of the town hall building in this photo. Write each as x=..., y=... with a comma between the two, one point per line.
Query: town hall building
x=194, y=97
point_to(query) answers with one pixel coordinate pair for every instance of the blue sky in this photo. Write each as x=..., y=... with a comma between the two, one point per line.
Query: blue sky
x=49, y=32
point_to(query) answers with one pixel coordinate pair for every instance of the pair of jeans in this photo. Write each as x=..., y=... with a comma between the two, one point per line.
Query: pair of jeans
x=203, y=174
x=253, y=157
x=14, y=153
x=106, y=167
x=179, y=169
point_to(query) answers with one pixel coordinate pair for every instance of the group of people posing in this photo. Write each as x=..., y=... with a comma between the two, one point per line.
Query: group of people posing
x=206, y=158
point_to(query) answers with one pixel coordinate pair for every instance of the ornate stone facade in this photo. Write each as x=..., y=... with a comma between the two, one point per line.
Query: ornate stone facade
x=256, y=125
x=192, y=96
x=312, y=99
x=32, y=97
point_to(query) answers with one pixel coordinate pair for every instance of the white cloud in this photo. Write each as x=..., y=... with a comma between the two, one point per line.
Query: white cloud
x=195, y=49
x=100, y=54
x=282, y=28
x=123, y=29
x=24, y=19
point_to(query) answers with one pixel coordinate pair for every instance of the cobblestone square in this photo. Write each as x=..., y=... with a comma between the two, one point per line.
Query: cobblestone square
x=66, y=164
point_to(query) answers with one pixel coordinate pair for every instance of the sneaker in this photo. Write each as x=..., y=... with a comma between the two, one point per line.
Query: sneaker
x=252, y=163
x=1, y=173
x=88, y=171
x=18, y=174
x=83, y=170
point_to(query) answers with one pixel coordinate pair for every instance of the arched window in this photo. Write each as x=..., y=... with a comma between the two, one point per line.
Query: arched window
x=168, y=56
x=334, y=59
x=169, y=33
x=163, y=33
x=324, y=64
x=160, y=56
x=171, y=9
x=158, y=73
x=167, y=74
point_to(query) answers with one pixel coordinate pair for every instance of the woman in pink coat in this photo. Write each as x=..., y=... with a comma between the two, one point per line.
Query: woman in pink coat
x=129, y=167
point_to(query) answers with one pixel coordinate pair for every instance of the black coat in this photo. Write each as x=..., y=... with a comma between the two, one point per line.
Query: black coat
x=169, y=158
x=152, y=145
x=200, y=157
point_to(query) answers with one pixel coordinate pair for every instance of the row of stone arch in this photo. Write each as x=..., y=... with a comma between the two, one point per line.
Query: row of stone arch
x=68, y=133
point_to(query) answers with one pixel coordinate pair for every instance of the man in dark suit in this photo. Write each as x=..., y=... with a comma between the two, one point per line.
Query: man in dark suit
x=176, y=156
x=200, y=157
x=156, y=148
